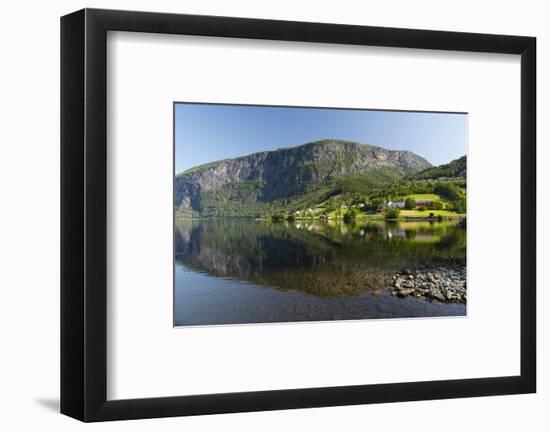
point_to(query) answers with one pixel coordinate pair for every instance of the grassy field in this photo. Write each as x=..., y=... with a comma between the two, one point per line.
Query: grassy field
x=426, y=213
x=431, y=196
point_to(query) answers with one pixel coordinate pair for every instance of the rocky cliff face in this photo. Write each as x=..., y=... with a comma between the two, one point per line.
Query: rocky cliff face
x=288, y=172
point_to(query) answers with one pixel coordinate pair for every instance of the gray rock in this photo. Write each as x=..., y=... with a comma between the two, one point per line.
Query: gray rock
x=439, y=284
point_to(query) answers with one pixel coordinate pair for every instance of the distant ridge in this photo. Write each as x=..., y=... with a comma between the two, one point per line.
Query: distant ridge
x=453, y=169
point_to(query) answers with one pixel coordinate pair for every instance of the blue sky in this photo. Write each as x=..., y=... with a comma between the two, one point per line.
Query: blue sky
x=206, y=133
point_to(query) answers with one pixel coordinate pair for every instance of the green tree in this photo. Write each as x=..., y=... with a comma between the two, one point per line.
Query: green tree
x=435, y=205
x=410, y=203
x=392, y=213
x=459, y=205
x=448, y=190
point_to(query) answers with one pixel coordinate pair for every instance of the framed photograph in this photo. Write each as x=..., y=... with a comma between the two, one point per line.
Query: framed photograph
x=317, y=229
x=262, y=215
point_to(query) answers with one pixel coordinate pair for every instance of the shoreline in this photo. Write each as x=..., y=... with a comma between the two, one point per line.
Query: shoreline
x=323, y=219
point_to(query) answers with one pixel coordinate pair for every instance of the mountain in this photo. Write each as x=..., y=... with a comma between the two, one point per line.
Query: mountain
x=289, y=177
x=454, y=169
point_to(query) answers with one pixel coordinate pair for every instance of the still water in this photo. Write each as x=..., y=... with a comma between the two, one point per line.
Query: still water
x=247, y=271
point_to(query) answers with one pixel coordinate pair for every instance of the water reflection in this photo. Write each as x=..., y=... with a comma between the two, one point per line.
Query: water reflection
x=227, y=269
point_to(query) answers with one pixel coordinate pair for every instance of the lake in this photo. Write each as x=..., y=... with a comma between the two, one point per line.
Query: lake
x=233, y=271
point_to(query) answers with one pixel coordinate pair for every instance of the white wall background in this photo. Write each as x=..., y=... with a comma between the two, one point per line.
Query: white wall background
x=29, y=216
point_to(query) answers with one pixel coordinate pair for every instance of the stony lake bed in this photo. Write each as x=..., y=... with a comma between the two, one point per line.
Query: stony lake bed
x=440, y=283
x=246, y=271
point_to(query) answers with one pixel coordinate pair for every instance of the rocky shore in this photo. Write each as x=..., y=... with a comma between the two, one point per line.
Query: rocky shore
x=443, y=284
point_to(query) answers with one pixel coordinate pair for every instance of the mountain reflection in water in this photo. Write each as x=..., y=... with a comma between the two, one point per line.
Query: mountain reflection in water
x=245, y=271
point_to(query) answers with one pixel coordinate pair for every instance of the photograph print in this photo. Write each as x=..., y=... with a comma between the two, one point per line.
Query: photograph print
x=301, y=214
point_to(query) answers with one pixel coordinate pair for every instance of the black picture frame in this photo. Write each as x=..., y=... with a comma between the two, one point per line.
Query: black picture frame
x=84, y=214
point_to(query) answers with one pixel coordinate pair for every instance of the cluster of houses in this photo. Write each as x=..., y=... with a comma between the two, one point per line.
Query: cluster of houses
x=394, y=204
x=401, y=204
x=359, y=205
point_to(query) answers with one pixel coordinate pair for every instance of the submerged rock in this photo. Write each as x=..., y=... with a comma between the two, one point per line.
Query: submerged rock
x=443, y=284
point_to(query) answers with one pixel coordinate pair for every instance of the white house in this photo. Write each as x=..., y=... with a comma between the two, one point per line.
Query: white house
x=399, y=204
